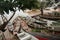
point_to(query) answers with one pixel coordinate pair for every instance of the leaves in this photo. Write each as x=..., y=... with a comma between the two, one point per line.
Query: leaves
x=8, y=5
x=29, y=4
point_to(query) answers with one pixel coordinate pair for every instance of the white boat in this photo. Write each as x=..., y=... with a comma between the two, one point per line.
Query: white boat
x=26, y=36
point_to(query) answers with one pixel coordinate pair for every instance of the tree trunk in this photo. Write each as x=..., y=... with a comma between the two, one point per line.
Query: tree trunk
x=41, y=11
x=5, y=23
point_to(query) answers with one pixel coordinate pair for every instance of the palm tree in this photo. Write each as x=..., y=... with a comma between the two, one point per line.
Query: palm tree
x=6, y=5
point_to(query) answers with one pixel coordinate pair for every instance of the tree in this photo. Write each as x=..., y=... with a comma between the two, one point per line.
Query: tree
x=42, y=5
x=6, y=5
x=29, y=4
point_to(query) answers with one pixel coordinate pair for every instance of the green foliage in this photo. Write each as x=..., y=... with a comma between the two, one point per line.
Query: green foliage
x=29, y=4
x=8, y=5
x=43, y=5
